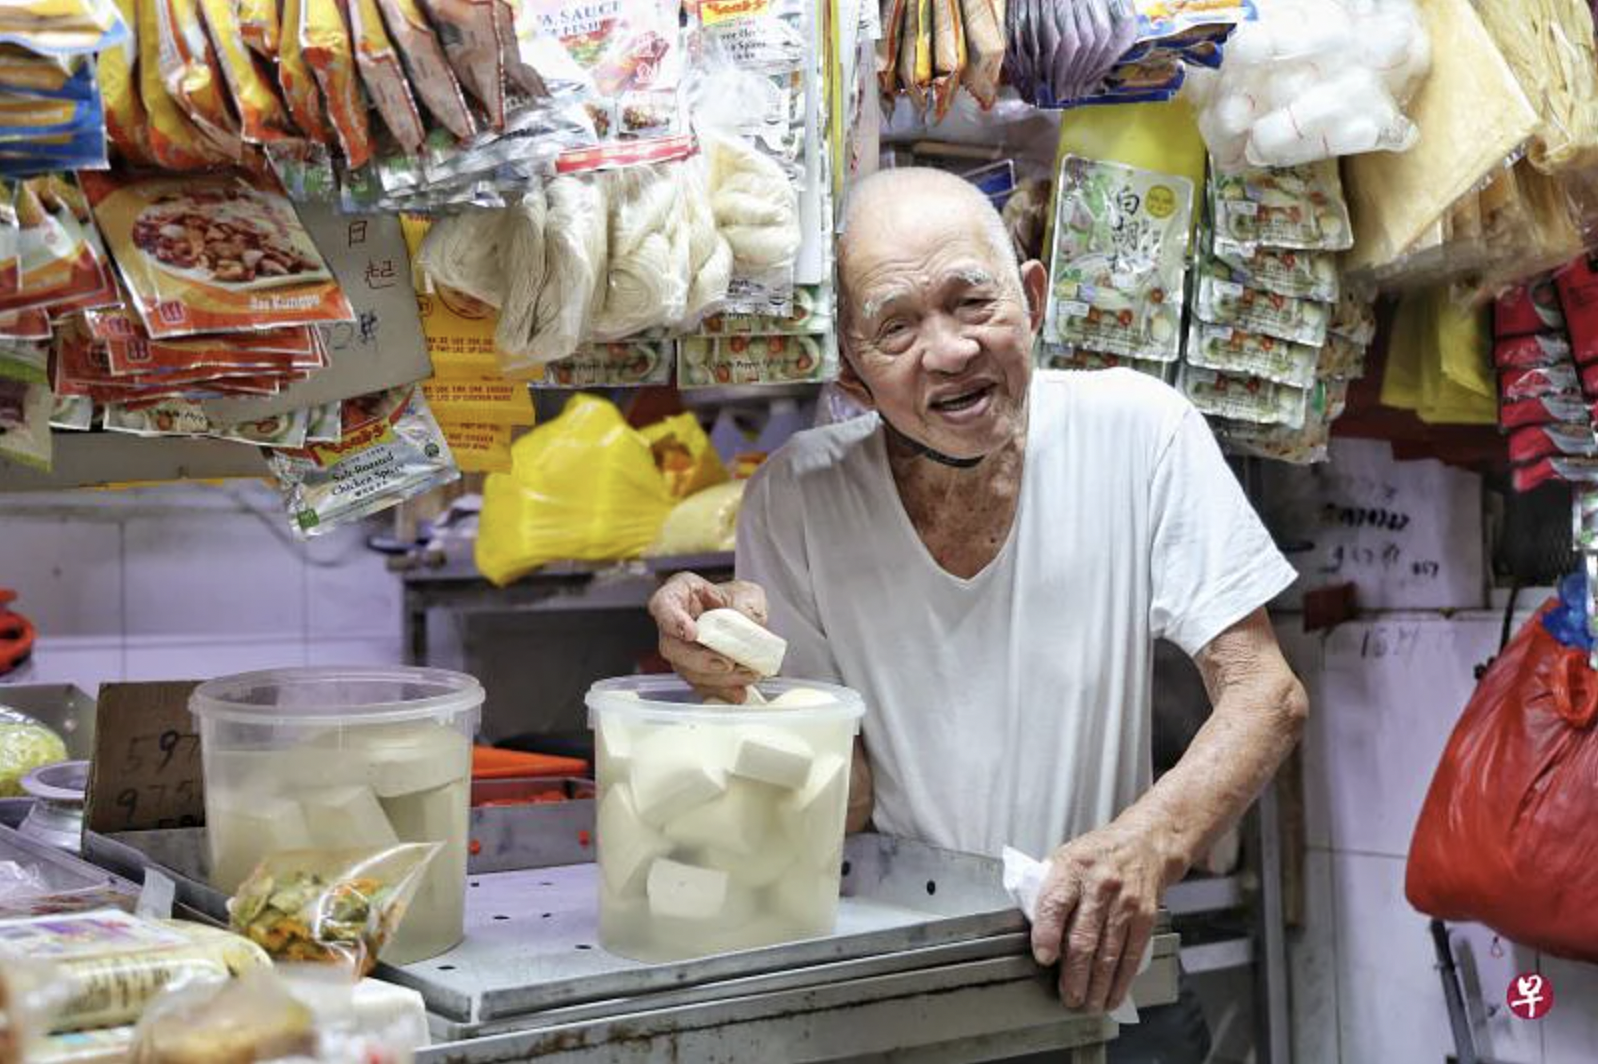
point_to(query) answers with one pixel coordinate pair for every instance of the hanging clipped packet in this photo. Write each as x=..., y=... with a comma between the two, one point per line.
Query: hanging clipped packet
x=262, y=116
x=471, y=33
x=175, y=142
x=391, y=450
x=259, y=26
x=328, y=50
x=703, y=363
x=636, y=363
x=1120, y=251
x=430, y=74
x=1300, y=207
x=1241, y=398
x=192, y=75
x=126, y=124
x=1298, y=321
x=294, y=77
x=213, y=253
x=1237, y=351
x=1285, y=271
x=384, y=76
x=25, y=423
x=1341, y=359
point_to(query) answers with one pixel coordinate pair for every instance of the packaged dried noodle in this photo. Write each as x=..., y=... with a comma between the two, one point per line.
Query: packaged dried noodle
x=329, y=51
x=383, y=75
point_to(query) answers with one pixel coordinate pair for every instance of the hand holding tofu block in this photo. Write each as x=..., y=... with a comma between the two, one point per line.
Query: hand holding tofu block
x=739, y=639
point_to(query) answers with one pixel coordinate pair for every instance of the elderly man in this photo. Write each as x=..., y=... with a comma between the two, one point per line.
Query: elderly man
x=988, y=559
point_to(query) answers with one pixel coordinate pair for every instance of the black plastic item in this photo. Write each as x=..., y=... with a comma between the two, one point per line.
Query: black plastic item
x=553, y=744
x=1534, y=548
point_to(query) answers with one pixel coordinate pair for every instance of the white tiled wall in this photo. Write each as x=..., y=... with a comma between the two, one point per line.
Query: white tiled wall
x=1386, y=693
x=189, y=582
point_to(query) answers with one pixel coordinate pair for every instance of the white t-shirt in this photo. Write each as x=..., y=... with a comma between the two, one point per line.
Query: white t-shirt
x=1014, y=707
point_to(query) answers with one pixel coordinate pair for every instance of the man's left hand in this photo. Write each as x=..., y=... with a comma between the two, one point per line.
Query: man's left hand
x=1096, y=914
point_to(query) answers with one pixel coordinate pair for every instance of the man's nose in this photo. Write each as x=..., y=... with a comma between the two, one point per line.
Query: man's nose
x=947, y=349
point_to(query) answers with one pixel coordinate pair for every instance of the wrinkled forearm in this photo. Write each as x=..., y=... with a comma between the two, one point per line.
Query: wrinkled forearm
x=1259, y=713
x=860, y=801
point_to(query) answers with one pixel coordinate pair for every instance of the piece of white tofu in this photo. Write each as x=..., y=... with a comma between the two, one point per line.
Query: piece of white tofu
x=740, y=821
x=734, y=636
x=615, y=741
x=677, y=768
x=756, y=870
x=627, y=845
x=771, y=755
x=679, y=891
x=813, y=815
x=396, y=759
x=438, y=815
x=243, y=828
x=346, y=818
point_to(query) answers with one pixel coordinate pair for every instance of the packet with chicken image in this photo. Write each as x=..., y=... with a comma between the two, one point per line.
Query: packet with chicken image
x=631, y=54
x=220, y=252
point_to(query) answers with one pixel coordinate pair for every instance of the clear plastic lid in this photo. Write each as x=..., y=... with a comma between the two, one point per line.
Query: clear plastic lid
x=665, y=698
x=333, y=696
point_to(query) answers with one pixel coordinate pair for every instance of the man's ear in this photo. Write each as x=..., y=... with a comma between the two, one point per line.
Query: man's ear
x=1035, y=282
x=849, y=381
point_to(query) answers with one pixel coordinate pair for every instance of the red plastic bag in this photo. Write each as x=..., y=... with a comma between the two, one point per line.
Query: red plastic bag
x=1505, y=836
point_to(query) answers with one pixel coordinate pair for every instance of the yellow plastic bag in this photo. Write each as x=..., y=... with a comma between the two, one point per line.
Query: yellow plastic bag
x=684, y=455
x=584, y=487
x=704, y=523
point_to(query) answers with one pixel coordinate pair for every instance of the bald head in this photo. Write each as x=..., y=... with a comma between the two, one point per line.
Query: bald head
x=891, y=201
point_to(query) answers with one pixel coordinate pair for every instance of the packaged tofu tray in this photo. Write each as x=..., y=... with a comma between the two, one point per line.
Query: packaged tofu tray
x=720, y=828
x=344, y=759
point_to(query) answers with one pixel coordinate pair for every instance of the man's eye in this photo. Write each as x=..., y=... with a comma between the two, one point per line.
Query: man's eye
x=893, y=328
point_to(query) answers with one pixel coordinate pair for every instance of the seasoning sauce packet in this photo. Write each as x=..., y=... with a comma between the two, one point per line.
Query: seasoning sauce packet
x=1240, y=398
x=62, y=27
x=126, y=124
x=175, y=141
x=192, y=75
x=473, y=36
x=329, y=51
x=300, y=91
x=220, y=252
x=262, y=116
x=391, y=450
x=430, y=75
x=259, y=23
x=384, y=76
x=1221, y=347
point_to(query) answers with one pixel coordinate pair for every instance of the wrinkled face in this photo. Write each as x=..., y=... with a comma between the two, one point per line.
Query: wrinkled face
x=937, y=327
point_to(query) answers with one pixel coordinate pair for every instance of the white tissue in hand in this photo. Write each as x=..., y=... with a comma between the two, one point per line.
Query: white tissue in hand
x=770, y=755
x=626, y=843
x=732, y=635
x=675, y=770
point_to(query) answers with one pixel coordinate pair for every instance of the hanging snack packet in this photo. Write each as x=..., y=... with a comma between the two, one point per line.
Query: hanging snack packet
x=125, y=123
x=632, y=55
x=258, y=23
x=175, y=141
x=429, y=71
x=25, y=325
x=704, y=363
x=1120, y=250
x=62, y=27
x=262, y=115
x=213, y=253
x=1236, y=351
x=391, y=450
x=1285, y=271
x=1299, y=207
x=470, y=32
x=192, y=75
x=328, y=50
x=57, y=262
x=984, y=39
x=635, y=364
x=1298, y=321
x=72, y=413
x=294, y=76
x=384, y=77
x=1244, y=398
x=1530, y=352
x=25, y=423
x=1341, y=359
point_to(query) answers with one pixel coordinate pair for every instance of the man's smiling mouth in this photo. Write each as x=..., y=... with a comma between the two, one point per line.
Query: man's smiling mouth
x=964, y=400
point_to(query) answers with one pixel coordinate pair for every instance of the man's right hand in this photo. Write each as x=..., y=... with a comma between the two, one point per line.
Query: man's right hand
x=675, y=608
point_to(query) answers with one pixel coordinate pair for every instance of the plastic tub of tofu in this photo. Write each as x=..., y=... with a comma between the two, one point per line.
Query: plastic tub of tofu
x=341, y=759
x=720, y=828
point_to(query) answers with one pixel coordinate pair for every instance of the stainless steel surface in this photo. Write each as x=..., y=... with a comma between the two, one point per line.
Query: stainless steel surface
x=1218, y=956
x=57, y=790
x=62, y=707
x=1207, y=895
x=1272, y=935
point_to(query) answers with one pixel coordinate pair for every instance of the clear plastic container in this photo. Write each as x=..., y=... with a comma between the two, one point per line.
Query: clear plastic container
x=344, y=758
x=720, y=828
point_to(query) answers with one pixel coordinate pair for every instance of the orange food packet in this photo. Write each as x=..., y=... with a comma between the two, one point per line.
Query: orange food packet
x=258, y=22
x=430, y=73
x=192, y=77
x=262, y=116
x=304, y=99
x=126, y=124
x=175, y=142
x=472, y=35
x=55, y=260
x=329, y=52
x=384, y=77
x=220, y=252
